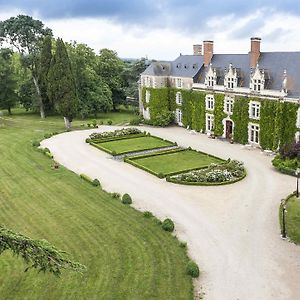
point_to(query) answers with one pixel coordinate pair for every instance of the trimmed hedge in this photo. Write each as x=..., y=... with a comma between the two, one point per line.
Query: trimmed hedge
x=126, y=199
x=192, y=269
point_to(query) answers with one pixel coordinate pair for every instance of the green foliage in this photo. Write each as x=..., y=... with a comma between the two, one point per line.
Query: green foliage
x=8, y=96
x=192, y=269
x=198, y=123
x=148, y=214
x=61, y=83
x=135, y=121
x=96, y=182
x=219, y=114
x=88, y=179
x=168, y=225
x=241, y=118
x=110, y=68
x=39, y=254
x=109, y=122
x=126, y=199
x=36, y=143
x=162, y=119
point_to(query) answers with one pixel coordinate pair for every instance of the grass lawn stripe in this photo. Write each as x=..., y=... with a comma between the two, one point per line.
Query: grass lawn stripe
x=134, y=144
x=127, y=256
x=180, y=161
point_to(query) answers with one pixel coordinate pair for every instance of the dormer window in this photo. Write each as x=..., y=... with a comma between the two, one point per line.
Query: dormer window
x=230, y=78
x=186, y=66
x=195, y=66
x=178, y=66
x=211, y=77
x=257, y=82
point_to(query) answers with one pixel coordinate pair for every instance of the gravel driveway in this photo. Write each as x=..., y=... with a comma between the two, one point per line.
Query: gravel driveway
x=232, y=231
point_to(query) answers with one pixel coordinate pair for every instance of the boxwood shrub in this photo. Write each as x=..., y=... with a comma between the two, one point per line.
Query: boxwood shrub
x=126, y=199
x=192, y=269
x=168, y=225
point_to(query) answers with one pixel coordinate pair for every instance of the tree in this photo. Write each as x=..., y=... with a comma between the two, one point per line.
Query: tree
x=26, y=34
x=131, y=76
x=8, y=96
x=43, y=69
x=94, y=94
x=110, y=68
x=61, y=84
x=40, y=254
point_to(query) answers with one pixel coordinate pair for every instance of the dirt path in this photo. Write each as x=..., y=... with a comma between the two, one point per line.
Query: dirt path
x=232, y=231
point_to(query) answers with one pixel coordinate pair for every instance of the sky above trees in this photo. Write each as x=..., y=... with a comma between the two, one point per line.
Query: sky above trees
x=163, y=29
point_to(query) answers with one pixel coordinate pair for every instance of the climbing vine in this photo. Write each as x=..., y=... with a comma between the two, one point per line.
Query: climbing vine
x=219, y=114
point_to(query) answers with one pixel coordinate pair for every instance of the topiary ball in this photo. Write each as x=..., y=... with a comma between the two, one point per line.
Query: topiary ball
x=192, y=269
x=168, y=225
x=126, y=199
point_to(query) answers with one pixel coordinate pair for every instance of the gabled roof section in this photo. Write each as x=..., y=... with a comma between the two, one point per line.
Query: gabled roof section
x=160, y=68
x=276, y=63
x=187, y=65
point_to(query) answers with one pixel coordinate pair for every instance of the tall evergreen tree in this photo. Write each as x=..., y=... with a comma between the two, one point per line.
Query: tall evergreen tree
x=44, y=66
x=8, y=96
x=61, y=84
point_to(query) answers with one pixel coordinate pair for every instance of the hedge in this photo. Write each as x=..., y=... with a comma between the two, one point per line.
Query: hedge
x=279, y=165
x=93, y=182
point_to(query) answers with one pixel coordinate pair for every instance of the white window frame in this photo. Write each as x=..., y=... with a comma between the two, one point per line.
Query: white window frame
x=147, y=96
x=228, y=105
x=254, y=110
x=298, y=118
x=179, y=83
x=253, y=133
x=230, y=82
x=210, y=81
x=178, y=98
x=209, y=122
x=209, y=102
x=179, y=116
x=146, y=113
x=148, y=81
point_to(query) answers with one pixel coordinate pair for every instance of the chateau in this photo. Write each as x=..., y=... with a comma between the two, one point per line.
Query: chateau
x=251, y=98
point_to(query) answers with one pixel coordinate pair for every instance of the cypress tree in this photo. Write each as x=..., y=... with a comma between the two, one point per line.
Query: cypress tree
x=61, y=84
x=44, y=66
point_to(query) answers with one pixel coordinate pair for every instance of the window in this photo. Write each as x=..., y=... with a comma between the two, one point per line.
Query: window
x=209, y=102
x=178, y=98
x=178, y=116
x=147, y=96
x=209, y=122
x=298, y=118
x=230, y=82
x=148, y=81
x=257, y=85
x=254, y=111
x=210, y=81
x=146, y=113
x=254, y=133
x=178, y=82
x=228, y=105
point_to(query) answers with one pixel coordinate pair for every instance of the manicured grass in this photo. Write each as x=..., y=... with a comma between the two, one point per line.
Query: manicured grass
x=134, y=144
x=293, y=219
x=175, y=162
x=127, y=256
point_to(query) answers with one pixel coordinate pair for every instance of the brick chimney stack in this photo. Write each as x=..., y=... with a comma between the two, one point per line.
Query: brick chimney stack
x=208, y=52
x=197, y=49
x=255, y=51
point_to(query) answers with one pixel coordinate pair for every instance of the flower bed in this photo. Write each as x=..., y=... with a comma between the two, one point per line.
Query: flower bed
x=113, y=134
x=286, y=165
x=215, y=174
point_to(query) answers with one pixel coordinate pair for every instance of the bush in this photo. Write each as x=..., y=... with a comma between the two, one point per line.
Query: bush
x=163, y=119
x=109, y=122
x=115, y=195
x=47, y=135
x=290, y=151
x=88, y=125
x=96, y=182
x=168, y=225
x=126, y=199
x=49, y=154
x=100, y=123
x=94, y=123
x=183, y=245
x=113, y=153
x=113, y=134
x=192, y=269
x=148, y=214
x=160, y=175
x=36, y=144
x=135, y=121
x=88, y=140
x=46, y=150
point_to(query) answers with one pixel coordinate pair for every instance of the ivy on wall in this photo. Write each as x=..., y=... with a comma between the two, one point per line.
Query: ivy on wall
x=219, y=114
x=277, y=119
x=240, y=118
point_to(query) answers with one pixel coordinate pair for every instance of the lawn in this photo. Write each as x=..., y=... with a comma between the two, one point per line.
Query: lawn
x=293, y=219
x=174, y=161
x=134, y=144
x=127, y=256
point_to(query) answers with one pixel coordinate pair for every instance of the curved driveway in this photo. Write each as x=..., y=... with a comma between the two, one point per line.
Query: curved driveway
x=232, y=231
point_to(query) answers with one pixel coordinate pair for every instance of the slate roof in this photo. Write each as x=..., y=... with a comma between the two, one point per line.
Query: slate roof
x=274, y=64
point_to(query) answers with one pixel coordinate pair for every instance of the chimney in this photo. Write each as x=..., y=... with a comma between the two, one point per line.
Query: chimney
x=197, y=49
x=255, y=51
x=208, y=52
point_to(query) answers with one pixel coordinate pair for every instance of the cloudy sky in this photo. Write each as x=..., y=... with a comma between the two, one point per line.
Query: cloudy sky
x=163, y=29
